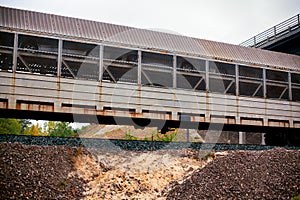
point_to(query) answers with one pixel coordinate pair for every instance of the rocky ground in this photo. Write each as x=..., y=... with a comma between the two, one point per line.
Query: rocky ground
x=272, y=174
x=36, y=172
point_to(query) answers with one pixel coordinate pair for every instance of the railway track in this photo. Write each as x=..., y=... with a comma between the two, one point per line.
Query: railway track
x=132, y=145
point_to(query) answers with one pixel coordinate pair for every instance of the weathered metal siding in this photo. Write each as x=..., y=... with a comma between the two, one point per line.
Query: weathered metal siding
x=60, y=26
x=28, y=92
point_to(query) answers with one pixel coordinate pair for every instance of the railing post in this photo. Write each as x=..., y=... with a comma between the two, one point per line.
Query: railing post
x=275, y=32
x=15, y=53
x=254, y=40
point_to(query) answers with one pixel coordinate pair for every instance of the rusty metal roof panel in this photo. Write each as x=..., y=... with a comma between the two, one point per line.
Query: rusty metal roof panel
x=67, y=27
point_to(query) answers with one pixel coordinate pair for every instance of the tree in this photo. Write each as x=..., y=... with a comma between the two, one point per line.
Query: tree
x=25, y=123
x=60, y=129
x=10, y=126
x=34, y=130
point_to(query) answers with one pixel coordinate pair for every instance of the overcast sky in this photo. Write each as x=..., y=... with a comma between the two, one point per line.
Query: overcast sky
x=231, y=21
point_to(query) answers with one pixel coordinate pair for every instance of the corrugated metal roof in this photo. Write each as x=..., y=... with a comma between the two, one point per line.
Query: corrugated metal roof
x=60, y=26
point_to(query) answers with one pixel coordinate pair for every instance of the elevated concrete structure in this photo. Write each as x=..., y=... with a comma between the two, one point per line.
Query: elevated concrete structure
x=78, y=70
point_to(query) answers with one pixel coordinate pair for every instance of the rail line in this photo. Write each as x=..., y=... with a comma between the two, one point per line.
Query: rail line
x=130, y=145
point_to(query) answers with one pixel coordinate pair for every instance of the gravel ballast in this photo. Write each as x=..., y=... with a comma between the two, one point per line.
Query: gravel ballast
x=272, y=174
x=38, y=172
x=64, y=172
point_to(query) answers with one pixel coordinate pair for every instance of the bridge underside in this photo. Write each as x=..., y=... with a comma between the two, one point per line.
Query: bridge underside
x=52, y=98
x=288, y=45
x=143, y=122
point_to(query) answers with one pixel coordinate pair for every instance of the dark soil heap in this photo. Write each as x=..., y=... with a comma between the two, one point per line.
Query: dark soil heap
x=272, y=174
x=38, y=172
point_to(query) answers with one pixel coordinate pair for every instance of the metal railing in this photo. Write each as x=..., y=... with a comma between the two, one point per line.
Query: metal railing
x=280, y=30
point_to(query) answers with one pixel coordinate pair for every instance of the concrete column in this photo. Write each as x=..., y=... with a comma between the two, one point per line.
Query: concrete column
x=242, y=137
x=187, y=135
x=263, y=142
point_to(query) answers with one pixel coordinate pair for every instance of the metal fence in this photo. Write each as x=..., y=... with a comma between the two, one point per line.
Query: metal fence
x=286, y=27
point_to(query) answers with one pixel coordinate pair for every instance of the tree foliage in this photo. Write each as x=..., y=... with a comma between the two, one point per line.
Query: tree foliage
x=60, y=129
x=25, y=123
x=10, y=126
x=34, y=130
x=25, y=127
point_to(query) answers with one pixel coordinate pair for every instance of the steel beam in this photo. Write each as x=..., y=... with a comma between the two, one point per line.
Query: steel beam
x=59, y=58
x=139, y=75
x=207, y=75
x=15, y=53
x=174, y=71
x=101, y=50
x=237, y=88
x=264, y=83
x=290, y=86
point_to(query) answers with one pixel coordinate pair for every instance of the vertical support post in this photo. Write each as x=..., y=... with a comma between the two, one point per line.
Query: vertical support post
x=275, y=31
x=242, y=137
x=101, y=50
x=290, y=86
x=237, y=88
x=263, y=142
x=254, y=40
x=174, y=71
x=139, y=78
x=207, y=75
x=187, y=135
x=265, y=82
x=12, y=103
x=59, y=59
x=15, y=53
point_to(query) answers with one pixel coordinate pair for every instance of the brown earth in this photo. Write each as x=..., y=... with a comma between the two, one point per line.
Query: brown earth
x=61, y=172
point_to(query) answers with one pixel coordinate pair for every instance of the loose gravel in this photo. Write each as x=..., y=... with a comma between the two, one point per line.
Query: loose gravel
x=272, y=174
x=35, y=172
x=64, y=172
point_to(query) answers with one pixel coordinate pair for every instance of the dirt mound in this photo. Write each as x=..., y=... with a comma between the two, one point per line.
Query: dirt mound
x=135, y=175
x=272, y=174
x=62, y=172
x=38, y=172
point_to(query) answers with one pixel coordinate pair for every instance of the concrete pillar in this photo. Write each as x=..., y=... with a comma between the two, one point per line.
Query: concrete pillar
x=187, y=135
x=242, y=137
x=263, y=142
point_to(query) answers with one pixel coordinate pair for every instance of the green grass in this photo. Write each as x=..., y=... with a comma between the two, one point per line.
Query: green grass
x=296, y=197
